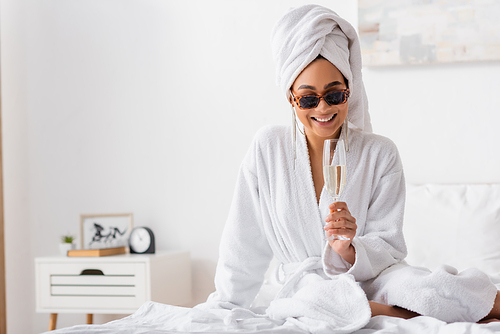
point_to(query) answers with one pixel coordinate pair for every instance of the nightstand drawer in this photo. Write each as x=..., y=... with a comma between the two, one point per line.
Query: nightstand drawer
x=117, y=284
x=105, y=285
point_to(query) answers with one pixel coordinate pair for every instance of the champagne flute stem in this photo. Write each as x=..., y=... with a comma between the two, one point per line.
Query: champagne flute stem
x=335, y=199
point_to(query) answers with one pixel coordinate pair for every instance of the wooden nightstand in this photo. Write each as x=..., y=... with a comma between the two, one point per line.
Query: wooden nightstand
x=117, y=284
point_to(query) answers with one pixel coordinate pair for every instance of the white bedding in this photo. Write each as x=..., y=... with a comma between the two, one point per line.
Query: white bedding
x=444, y=209
x=156, y=318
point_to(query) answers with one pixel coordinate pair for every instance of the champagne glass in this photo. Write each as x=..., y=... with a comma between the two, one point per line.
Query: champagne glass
x=334, y=171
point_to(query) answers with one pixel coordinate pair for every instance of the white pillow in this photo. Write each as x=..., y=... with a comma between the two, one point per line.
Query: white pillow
x=457, y=225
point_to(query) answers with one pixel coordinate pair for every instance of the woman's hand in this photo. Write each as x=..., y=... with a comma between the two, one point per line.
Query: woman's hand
x=341, y=222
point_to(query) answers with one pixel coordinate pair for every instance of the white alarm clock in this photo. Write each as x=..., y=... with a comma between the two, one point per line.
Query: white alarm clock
x=141, y=241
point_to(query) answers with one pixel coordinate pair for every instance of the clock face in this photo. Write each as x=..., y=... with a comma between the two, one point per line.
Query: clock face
x=140, y=240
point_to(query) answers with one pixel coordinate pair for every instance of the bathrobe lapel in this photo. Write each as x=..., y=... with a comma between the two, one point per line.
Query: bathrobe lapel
x=306, y=218
x=310, y=212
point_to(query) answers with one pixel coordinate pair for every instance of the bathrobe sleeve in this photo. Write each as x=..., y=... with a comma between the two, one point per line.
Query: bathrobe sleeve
x=381, y=243
x=244, y=253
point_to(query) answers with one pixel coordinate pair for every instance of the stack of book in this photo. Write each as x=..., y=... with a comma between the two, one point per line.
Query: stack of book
x=97, y=252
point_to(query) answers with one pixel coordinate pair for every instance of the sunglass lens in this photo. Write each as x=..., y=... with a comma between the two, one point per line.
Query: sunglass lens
x=334, y=98
x=308, y=102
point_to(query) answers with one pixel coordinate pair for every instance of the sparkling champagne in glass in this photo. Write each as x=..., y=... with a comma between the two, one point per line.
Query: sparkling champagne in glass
x=334, y=171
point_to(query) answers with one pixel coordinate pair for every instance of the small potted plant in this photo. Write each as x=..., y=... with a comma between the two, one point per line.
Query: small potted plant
x=67, y=243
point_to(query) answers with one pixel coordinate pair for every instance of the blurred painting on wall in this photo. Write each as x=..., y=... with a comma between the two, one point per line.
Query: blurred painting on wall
x=404, y=32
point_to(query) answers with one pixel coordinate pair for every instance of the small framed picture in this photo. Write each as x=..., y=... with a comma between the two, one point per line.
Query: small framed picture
x=105, y=230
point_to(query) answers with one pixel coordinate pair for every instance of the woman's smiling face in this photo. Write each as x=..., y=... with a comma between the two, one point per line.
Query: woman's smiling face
x=318, y=78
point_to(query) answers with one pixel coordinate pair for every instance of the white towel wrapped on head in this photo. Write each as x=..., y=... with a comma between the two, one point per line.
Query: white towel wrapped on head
x=305, y=32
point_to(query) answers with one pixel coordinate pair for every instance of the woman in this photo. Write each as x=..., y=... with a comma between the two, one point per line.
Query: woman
x=280, y=204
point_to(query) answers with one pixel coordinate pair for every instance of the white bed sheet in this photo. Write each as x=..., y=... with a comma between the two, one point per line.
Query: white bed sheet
x=158, y=318
x=451, y=207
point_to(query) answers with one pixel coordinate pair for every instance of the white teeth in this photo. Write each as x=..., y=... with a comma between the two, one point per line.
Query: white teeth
x=324, y=119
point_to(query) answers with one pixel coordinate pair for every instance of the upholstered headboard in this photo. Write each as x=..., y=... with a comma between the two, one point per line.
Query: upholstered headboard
x=455, y=224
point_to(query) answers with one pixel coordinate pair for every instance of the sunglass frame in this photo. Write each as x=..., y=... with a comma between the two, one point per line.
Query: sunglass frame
x=346, y=92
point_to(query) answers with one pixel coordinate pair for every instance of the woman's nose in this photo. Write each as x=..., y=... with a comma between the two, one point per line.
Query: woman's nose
x=322, y=106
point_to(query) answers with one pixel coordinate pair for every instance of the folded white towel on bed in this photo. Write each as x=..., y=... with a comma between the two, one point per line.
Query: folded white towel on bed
x=316, y=308
x=306, y=301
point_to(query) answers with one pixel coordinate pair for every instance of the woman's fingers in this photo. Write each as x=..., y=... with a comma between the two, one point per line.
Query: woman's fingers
x=339, y=210
x=339, y=206
x=338, y=216
x=347, y=232
x=340, y=231
x=341, y=223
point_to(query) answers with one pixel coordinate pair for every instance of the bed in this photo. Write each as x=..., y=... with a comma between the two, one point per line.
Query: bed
x=457, y=225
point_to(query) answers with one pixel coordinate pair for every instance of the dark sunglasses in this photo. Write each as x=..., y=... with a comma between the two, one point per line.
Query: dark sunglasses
x=312, y=101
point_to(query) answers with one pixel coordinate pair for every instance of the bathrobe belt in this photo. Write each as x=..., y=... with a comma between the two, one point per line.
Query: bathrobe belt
x=293, y=272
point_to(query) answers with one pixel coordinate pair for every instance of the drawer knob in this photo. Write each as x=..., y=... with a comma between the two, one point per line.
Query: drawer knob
x=92, y=272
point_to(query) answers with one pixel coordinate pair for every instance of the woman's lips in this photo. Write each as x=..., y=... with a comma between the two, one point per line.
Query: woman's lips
x=331, y=118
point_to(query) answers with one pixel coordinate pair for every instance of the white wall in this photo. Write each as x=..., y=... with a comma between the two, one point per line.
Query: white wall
x=149, y=106
x=129, y=106
x=444, y=119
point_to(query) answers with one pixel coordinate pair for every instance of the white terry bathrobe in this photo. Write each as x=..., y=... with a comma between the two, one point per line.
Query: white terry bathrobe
x=275, y=212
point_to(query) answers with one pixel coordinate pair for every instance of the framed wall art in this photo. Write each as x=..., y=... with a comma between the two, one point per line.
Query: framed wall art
x=410, y=32
x=105, y=230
